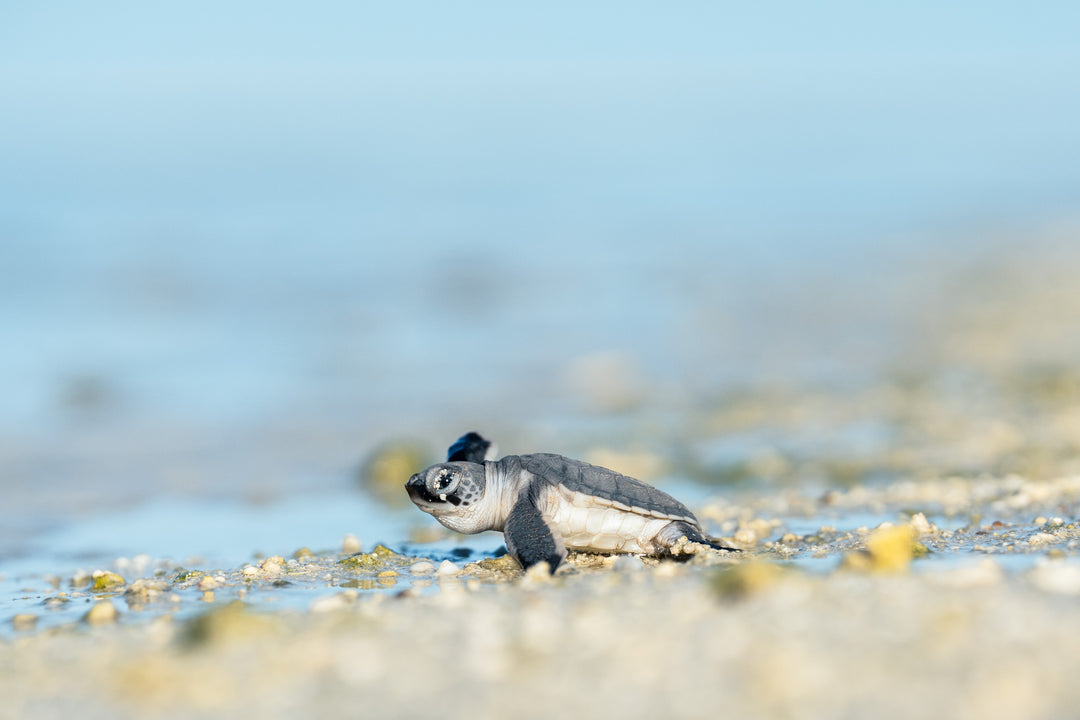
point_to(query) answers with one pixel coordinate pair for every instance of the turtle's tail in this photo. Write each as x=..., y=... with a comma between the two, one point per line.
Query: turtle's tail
x=717, y=544
x=714, y=543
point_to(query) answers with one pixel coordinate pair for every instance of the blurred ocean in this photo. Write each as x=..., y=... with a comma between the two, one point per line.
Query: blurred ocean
x=242, y=244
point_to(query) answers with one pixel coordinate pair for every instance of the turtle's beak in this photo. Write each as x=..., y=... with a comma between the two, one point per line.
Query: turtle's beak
x=418, y=491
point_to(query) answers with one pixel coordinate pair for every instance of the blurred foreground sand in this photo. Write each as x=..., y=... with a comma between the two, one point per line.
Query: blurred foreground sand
x=909, y=619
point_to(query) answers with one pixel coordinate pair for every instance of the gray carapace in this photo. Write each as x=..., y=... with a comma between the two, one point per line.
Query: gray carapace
x=546, y=504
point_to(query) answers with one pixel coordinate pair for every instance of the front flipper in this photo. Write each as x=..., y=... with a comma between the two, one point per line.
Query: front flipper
x=470, y=447
x=530, y=539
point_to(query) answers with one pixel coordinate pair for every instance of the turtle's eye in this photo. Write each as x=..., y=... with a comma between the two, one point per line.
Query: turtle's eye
x=445, y=481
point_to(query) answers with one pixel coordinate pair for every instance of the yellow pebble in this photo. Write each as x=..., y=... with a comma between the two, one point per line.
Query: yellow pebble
x=891, y=548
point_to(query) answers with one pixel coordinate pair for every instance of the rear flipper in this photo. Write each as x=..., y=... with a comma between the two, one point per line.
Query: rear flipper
x=679, y=538
x=471, y=447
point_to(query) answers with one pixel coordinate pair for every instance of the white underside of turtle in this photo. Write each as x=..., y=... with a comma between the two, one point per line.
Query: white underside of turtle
x=589, y=524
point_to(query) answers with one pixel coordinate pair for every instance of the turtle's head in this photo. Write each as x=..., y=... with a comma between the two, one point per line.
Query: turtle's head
x=447, y=488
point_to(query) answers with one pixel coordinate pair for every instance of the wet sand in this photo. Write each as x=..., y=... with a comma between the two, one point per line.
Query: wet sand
x=970, y=611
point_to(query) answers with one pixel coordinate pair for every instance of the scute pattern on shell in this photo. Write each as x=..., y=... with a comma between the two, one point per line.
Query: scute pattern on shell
x=607, y=486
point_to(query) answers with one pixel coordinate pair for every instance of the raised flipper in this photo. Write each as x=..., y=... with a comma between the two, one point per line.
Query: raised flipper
x=471, y=447
x=670, y=538
x=529, y=537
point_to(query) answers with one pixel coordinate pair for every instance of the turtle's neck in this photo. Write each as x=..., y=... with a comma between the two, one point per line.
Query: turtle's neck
x=504, y=478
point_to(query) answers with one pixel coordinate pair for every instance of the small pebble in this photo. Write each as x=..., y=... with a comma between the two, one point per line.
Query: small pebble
x=24, y=621
x=746, y=578
x=448, y=568
x=250, y=571
x=891, y=547
x=746, y=536
x=538, y=574
x=332, y=602
x=272, y=566
x=209, y=583
x=920, y=524
x=422, y=568
x=667, y=570
x=101, y=613
x=350, y=544
x=1056, y=578
x=627, y=563
x=335, y=602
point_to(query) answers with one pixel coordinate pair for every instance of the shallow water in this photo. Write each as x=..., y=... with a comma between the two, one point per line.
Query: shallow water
x=159, y=538
x=163, y=540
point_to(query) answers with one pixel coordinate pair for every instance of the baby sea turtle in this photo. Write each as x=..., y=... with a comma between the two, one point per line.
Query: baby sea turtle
x=545, y=504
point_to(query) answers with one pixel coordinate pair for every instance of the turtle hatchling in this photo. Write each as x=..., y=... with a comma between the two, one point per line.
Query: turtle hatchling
x=546, y=504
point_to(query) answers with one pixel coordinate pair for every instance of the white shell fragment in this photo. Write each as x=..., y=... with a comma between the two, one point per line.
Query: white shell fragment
x=423, y=567
x=448, y=568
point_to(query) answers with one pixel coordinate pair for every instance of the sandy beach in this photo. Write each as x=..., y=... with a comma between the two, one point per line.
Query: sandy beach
x=811, y=270
x=907, y=618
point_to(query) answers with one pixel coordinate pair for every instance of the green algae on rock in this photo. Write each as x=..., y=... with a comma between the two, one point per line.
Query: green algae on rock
x=377, y=558
x=500, y=569
x=105, y=581
x=184, y=576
